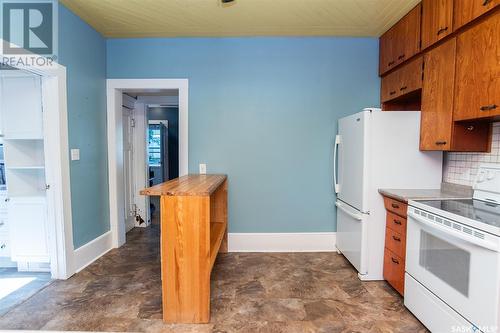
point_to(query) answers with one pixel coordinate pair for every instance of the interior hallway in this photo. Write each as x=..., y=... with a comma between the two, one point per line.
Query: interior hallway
x=299, y=292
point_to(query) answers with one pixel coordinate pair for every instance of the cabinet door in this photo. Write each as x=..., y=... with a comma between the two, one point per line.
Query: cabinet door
x=410, y=35
x=437, y=97
x=467, y=10
x=477, y=88
x=389, y=86
x=401, y=42
x=437, y=16
x=410, y=77
x=394, y=270
x=387, y=60
x=404, y=80
x=28, y=230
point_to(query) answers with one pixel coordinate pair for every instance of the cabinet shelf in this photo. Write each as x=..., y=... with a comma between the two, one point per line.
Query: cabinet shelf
x=217, y=231
x=34, y=167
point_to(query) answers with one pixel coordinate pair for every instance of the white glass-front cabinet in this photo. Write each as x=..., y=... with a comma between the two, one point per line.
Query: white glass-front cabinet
x=21, y=123
x=21, y=104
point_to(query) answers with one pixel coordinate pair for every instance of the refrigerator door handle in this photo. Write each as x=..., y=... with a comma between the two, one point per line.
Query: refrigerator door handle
x=335, y=151
x=355, y=216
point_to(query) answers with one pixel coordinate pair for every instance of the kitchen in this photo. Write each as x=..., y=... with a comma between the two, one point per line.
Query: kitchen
x=391, y=131
x=441, y=248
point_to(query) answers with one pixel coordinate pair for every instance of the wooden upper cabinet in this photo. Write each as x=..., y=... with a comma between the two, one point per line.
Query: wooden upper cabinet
x=437, y=19
x=467, y=10
x=438, y=131
x=385, y=54
x=401, y=42
x=402, y=81
x=437, y=97
x=477, y=88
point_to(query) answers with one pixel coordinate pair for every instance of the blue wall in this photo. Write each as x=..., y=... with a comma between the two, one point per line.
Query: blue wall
x=83, y=51
x=263, y=111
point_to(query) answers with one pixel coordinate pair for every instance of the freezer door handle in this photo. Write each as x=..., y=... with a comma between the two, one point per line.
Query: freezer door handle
x=357, y=217
x=335, y=153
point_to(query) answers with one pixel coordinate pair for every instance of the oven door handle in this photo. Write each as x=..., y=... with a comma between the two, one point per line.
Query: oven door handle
x=456, y=234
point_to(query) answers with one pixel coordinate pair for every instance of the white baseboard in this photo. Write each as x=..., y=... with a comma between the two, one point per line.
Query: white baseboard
x=90, y=252
x=282, y=242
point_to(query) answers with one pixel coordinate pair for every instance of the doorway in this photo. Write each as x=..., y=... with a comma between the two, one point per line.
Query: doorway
x=123, y=162
x=163, y=149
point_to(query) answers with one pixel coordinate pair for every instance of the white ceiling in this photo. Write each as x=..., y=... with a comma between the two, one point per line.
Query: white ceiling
x=176, y=18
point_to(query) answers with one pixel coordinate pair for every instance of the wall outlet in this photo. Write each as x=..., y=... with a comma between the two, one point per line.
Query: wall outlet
x=203, y=168
x=75, y=154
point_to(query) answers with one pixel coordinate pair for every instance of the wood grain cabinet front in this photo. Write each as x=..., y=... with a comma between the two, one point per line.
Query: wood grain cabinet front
x=402, y=81
x=466, y=11
x=394, y=270
x=437, y=18
x=395, y=243
x=438, y=131
x=401, y=42
x=477, y=88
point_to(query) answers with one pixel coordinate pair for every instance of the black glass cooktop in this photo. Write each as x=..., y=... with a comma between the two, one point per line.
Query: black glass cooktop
x=477, y=210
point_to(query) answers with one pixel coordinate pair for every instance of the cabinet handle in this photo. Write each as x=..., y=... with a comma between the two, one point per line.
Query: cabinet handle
x=7, y=200
x=470, y=128
x=403, y=88
x=391, y=63
x=3, y=246
x=397, y=239
x=394, y=260
x=440, y=143
x=392, y=92
x=398, y=222
x=486, y=2
x=395, y=205
x=440, y=31
x=401, y=57
x=488, y=107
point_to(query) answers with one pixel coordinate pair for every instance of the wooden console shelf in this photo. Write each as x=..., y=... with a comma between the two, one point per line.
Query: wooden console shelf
x=193, y=232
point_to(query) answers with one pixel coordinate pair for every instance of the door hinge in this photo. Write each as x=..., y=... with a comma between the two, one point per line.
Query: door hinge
x=132, y=122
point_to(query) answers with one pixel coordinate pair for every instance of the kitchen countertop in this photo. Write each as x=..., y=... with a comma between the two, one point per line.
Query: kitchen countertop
x=189, y=185
x=447, y=191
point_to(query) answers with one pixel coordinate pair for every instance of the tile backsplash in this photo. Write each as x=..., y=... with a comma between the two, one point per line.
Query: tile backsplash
x=461, y=168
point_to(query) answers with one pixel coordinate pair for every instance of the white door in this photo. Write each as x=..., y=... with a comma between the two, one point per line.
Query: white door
x=351, y=235
x=141, y=170
x=28, y=229
x=128, y=168
x=353, y=160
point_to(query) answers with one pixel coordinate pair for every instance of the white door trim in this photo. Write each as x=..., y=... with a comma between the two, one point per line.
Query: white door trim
x=54, y=97
x=115, y=88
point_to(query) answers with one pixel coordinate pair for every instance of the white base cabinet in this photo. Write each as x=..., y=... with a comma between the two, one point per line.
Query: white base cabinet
x=28, y=230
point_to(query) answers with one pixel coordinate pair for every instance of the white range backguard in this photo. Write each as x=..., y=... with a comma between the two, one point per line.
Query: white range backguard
x=377, y=150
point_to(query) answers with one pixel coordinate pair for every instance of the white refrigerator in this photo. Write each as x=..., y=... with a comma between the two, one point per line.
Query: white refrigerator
x=373, y=150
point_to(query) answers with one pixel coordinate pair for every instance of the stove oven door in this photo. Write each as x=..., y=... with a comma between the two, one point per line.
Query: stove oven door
x=456, y=263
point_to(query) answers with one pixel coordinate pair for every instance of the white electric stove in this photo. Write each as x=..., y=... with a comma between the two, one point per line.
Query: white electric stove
x=452, y=280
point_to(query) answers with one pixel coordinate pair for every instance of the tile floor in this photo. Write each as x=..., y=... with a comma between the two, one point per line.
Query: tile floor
x=16, y=287
x=300, y=292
